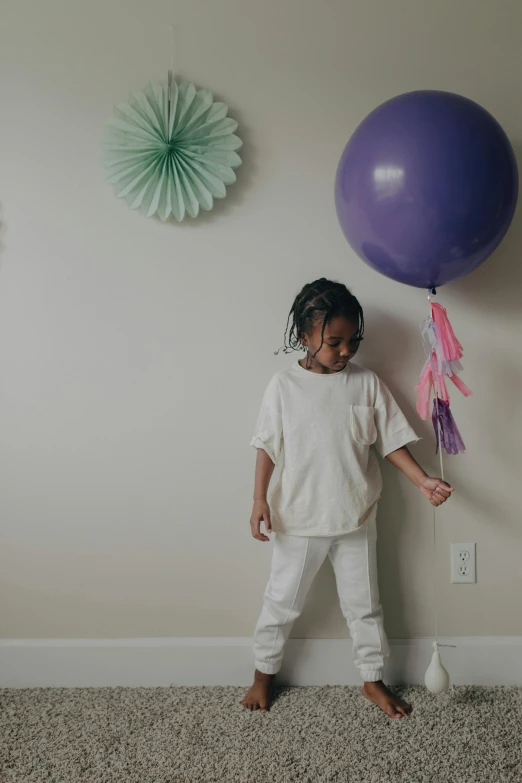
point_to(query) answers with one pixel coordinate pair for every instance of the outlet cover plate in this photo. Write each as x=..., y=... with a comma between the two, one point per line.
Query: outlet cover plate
x=463, y=563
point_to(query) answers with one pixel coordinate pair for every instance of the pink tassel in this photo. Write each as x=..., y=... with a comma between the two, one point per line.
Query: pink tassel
x=423, y=390
x=431, y=379
x=441, y=386
x=461, y=386
x=451, y=348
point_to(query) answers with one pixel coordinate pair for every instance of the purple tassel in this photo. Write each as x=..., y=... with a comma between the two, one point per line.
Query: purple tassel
x=450, y=436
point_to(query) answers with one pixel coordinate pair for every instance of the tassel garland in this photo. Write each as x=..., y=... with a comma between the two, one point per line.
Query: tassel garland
x=444, y=352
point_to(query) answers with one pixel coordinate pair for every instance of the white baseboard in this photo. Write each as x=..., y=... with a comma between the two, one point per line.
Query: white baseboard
x=73, y=663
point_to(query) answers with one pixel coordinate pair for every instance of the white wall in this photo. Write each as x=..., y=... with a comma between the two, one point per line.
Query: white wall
x=134, y=354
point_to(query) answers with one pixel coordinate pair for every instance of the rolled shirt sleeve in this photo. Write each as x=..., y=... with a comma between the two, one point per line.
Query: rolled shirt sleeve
x=268, y=433
x=393, y=428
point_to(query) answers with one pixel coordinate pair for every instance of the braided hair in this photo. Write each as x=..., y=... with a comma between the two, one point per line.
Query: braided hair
x=323, y=299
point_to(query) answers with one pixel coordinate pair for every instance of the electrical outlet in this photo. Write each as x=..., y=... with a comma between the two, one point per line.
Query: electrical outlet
x=463, y=565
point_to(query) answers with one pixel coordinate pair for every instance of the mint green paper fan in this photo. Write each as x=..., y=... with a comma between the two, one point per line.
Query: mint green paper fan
x=171, y=156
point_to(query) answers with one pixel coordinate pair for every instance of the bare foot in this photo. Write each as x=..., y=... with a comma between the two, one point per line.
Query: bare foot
x=383, y=698
x=260, y=694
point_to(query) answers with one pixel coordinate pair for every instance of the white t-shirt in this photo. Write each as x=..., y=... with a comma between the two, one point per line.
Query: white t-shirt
x=319, y=429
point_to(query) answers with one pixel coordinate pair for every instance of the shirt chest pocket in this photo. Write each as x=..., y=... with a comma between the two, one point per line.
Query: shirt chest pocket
x=362, y=424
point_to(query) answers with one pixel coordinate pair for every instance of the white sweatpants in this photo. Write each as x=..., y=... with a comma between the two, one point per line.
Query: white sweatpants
x=295, y=562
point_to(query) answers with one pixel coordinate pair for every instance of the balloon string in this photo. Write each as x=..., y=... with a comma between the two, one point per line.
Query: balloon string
x=435, y=575
x=439, y=426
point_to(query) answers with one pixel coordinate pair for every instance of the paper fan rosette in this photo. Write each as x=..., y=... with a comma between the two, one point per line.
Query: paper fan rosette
x=171, y=150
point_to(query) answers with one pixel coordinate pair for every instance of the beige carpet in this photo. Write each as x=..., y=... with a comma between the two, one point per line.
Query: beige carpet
x=192, y=735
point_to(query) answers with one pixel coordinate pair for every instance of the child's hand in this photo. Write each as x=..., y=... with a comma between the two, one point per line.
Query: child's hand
x=260, y=512
x=436, y=490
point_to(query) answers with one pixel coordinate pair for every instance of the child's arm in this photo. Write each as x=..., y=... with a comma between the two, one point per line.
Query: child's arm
x=264, y=469
x=261, y=511
x=435, y=489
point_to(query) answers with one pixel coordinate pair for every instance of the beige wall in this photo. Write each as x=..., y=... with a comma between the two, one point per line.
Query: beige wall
x=134, y=354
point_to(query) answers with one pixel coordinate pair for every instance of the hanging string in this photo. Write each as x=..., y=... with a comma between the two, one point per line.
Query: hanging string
x=434, y=571
x=173, y=48
x=442, y=477
x=172, y=71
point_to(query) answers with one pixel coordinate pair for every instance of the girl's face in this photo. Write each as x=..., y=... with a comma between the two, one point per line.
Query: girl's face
x=340, y=344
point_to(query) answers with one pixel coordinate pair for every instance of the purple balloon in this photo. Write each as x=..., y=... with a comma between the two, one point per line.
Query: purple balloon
x=426, y=187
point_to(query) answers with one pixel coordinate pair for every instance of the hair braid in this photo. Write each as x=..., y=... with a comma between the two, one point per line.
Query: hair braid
x=322, y=299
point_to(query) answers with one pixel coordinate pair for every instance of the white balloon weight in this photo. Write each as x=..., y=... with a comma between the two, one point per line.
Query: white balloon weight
x=436, y=678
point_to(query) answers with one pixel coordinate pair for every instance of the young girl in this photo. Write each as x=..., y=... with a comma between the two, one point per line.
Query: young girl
x=319, y=418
